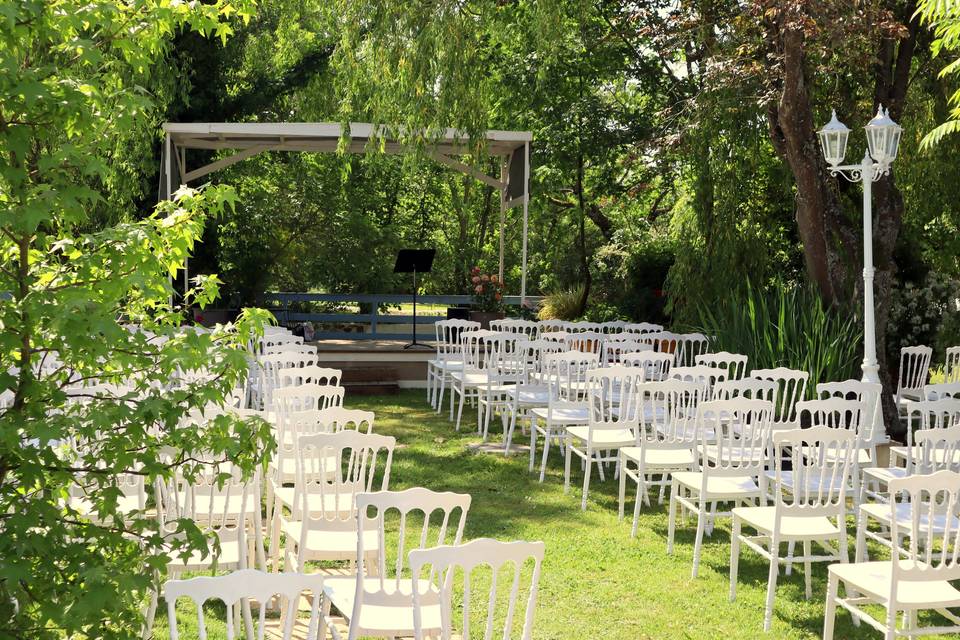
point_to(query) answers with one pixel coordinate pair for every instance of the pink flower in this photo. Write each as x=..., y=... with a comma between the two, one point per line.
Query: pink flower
x=485, y=278
x=497, y=296
x=478, y=288
x=474, y=270
x=475, y=279
x=494, y=279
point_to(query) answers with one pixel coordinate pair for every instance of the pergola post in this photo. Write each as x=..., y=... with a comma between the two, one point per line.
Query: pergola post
x=526, y=203
x=504, y=169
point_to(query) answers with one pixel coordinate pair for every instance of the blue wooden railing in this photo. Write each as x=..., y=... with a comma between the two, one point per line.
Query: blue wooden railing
x=369, y=324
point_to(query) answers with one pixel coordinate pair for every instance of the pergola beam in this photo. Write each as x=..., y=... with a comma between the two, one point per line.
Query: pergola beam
x=468, y=170
x=223, y=163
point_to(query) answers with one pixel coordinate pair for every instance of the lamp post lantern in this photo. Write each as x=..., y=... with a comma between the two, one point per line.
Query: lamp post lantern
x=883, y=139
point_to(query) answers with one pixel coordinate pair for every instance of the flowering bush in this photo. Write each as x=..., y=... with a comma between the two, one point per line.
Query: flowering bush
x=487, y=291
x=926, y=314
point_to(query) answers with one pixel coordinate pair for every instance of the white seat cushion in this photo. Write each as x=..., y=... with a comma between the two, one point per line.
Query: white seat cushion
x=324, y=544
x=791, y=527
x=380, y=620
x=881, y=513
x=884, y=474
x=564, y=414
x=814, y=482
x=719, y=488
x=531, y=395
x=873, y=579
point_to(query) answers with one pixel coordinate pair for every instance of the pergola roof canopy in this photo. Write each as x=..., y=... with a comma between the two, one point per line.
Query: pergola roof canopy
x=325, y=137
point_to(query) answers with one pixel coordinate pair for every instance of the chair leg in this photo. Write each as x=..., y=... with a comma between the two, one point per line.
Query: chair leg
x=772, y=582
x=672, y=520
x=807, y=570
x=600, y=464
x=533, y=445
x=890, y=632
x=622, y=491
x=586, y=477
x=566, y=468
x=641, y=491
x=789, y=564
x=547, y=437
x=698, y=542
x=463, y=396
x=860, y=553
x=734, y=557
x=830, y=613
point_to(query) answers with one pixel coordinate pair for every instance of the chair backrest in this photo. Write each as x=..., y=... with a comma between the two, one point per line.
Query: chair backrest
x=333, y=469
x=642, y=327
x=733, y=363
x=614, y=349
x=448, y=336
x=932, y=532
x=914, y=371
x=819, y=465
x=291, y=347
x=273, y=340
x=534, y=352
x=689, y=346
x=951, y=366
x=752, y=388
x=552, y=326
x=524, y=328
x=737, y=432
x=936, y=449
x=435, y=512
x=669, y=412
x=244, y=584
x=656, y=365
x=612, y=392
x=836, y=413
x=941, y=390
x=446, y=561
x=613, y=327
x=866, y=392
x=476, y=347
x=587, y=341
x=582, y=326
x=699, y=373
x=791, y=389
x=310, y=373
x=304, y=397
x=566, y=373
x=271, y=364
x=934, y=414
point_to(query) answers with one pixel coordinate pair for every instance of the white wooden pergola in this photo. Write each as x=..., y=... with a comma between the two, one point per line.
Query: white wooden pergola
x=250, y=138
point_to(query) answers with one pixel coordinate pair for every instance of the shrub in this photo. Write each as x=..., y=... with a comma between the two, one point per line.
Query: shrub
x=924, y=314
x=786, y=326
x=562, y=305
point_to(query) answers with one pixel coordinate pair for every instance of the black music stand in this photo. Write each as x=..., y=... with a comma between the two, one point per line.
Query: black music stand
x=414, y=261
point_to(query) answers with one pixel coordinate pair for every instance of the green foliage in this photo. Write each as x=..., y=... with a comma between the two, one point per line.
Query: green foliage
x=86, y=303
x=787, y=326
x=925, y=314
x=944, y=18
x=562, y=305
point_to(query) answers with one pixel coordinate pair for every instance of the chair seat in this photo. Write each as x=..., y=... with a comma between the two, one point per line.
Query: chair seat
x=447, y=365
x=660, y=458
x=814, y=482
x=564, y=414
x=884, y=474
x=881, y=513
x=470, y=378
x=530, y=395
x=914, y=453
x=791, y=527
x=342, y=502
x=873, y=579
x=380, y=620
x=719, y=487
x=863, y=456
x=604, y=437
x=329, y=544
x=751, y=456
x=125, y=506
x=229, y=558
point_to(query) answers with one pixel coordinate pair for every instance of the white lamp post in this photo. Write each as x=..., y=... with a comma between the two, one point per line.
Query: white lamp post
x=883, y=138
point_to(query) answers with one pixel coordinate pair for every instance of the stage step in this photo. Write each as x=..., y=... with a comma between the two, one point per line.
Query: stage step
x=371, y=380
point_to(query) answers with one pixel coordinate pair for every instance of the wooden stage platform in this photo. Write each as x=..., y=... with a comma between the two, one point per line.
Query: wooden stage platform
x=376, y=366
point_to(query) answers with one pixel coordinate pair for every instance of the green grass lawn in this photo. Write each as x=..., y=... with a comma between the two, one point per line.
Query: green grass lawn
x=597, y=582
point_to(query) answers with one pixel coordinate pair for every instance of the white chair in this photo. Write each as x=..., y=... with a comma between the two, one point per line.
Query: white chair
x=642, y=327
x=734, y=436
x=926, y=414
x=444, y=562
x=566, y=373
x=689, y=346
x=707, y=375
x=734, y=364
x=585, y=341
x=552, y=326
x=532, y=389
x=751, y=388
x=378, y=600
x=613, y=423
x=131, y=501
x=810, y=506
x=909, y=583
x=868, y=394
x=333, y=469
x=292, y=347
x=527, y=329
x=935, y=450
x=914, y=372
x=270, y=365
x=447, y=360
x=840, y=413
x=505, y=368
x=245, y=585
x=476, y=348
x=656, y=365
x=668, y=440
x=791, y=389
x=951, y=366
